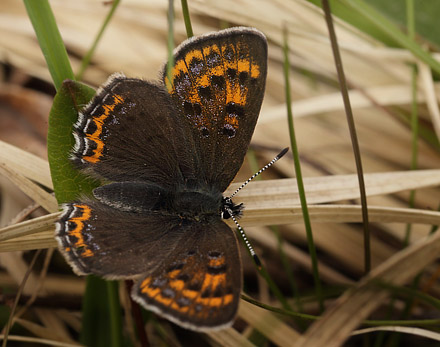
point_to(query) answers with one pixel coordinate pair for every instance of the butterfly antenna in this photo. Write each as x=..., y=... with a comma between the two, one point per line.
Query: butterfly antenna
x=246, y=241
x=274, y=160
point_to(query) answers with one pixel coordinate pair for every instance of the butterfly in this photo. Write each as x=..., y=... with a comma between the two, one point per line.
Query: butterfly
x=167, y=151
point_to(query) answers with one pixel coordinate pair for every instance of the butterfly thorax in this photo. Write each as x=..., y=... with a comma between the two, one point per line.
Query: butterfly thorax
x=202, y=205
x=196, y=204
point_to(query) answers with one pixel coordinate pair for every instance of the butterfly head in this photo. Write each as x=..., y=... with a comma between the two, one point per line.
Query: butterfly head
x=230, y=209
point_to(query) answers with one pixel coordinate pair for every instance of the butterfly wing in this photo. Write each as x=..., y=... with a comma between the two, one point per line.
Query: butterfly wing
x=98, y=239
x=190, y=270
x=218, y=87
x=198, y=286
x=130, y=132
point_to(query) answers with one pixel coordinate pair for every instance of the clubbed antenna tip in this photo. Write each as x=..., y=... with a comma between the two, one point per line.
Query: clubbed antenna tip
x=281, y=154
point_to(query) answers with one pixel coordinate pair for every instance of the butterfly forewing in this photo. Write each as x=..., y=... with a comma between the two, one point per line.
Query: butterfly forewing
x=218, y=86
x=130, y=131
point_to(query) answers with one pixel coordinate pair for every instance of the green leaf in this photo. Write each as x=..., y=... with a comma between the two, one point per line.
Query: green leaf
x=68, y=182
x=95, y=312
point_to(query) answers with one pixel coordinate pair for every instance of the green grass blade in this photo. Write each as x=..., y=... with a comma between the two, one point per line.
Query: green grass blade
x=86, y=60
x=187, y=19
x=353, y=133
x=170, y=63
x=115, y=313
x=95, y=314
x=298, y=173
x=382, y=23
x=50, y=40
x=414, y=116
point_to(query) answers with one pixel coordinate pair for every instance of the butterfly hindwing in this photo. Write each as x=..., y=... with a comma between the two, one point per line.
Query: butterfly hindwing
x=98, y=239
x=199, y=285
x=190, y=272
x=218, y=86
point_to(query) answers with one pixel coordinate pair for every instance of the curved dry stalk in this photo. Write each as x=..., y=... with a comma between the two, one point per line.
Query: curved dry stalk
x=26, y=164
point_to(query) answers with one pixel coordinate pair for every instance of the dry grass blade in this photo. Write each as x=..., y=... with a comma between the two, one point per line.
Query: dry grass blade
x=431, y=96
x=25, y=164
x=297, y=256
x=268, y=324
x=337, y=323
x=47, y=333
x=36, y=225
x=335, y=188
x=382, y=95
x=413, y=331
x=230, y=337
x=264, y=215
x=40, y=196
x=44, y=239
x=40, y=341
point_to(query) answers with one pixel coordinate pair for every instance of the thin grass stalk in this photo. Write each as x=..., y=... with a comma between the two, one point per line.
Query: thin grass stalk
x=298, y=173
x=170, y=63
x=284, y=312
x=425, y=133
x=394, y=338
x=414, y=112
x=50, y=40
x=187, y=19
x=272, y=286
x=367, y=322
x=353, y=134
x=17, y=298
x=87, y=58
x=287, y=268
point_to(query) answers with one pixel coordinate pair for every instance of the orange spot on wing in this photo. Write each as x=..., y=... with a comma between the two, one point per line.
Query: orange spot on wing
x=99, y=122
x=217, y=71
x=164, y=301
x=243, y=65
x=195, y=54
x=227, y=299
x=213, y=280
x=179, y=67
x=146, y=289
x=177, y=285
x=79, y=226
x=190, y=294
x=176, y=307
x=217, y=262
x=174, y=273
x=207, y=50
x=203, y=81
x=255, y=71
